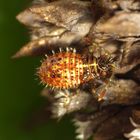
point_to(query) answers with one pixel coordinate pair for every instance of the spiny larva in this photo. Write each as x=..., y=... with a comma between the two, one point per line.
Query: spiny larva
x=68, y=69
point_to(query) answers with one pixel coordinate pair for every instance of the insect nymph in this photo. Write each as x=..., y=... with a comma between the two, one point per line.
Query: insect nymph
x=68, y=69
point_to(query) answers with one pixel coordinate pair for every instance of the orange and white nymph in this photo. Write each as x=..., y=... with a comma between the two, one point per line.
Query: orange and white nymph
x=69, y=69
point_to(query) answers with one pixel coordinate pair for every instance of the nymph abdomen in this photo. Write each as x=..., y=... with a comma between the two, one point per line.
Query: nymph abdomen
x=62, y=70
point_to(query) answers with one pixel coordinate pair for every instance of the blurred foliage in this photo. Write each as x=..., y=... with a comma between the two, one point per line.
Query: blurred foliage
x=20, y=100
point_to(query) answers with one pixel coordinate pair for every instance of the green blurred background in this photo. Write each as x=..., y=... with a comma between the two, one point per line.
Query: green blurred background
x=21, y=117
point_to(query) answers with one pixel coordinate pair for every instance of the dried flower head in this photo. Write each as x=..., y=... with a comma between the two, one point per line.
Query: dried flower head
x=98, y=84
